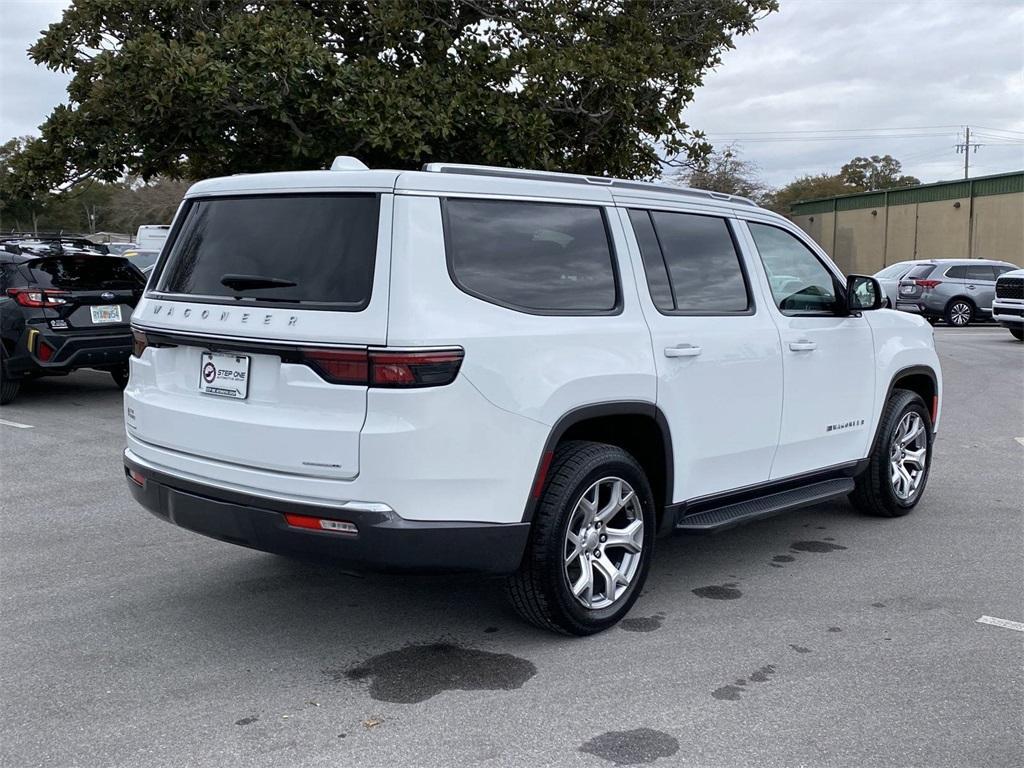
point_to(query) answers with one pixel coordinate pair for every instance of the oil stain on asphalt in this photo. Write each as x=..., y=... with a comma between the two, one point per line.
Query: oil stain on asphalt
x=732, y=692
x=639, y=746
x=418, y=672
x=722, y=592
x=815, y=546
x=642, y=624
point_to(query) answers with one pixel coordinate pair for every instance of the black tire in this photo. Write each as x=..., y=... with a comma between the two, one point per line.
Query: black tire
x=539, y=591
x=1018, y=333
x=8, y=387
x=120, y=376
x=874, y=493
x=960, y=312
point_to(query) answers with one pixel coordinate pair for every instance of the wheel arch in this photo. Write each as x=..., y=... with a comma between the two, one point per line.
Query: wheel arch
x=920, y=379
x=638, y=427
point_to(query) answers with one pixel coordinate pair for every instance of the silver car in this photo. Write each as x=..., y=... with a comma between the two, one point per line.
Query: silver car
x=958, y=291
x=889, y=279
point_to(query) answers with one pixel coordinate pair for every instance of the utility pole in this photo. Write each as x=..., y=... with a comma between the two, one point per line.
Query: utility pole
x=966, y=148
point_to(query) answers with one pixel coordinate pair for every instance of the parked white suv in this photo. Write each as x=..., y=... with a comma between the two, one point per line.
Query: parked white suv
x=1008, y=305
x=515, y=372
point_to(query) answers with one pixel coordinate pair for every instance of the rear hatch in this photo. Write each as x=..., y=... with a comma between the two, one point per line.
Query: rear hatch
x=916, y=282
x=249, y=340
x=87, y=293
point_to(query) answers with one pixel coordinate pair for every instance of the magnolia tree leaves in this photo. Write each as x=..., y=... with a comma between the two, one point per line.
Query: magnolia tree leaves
x=189, y=89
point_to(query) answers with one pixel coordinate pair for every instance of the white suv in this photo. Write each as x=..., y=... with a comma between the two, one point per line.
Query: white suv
x=514, y=372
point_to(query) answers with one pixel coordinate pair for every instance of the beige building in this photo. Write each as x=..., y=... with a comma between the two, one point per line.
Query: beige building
x=981, y=218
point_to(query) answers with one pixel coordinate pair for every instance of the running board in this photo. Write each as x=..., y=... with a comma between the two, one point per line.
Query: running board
x=730, y=515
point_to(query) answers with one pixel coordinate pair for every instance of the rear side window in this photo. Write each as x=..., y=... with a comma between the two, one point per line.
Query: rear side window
x=315, y=249
x=957, y=273
x=84, y=273
x=545, y=258
x=981, y=272
x=698, y=259
x=919, y=272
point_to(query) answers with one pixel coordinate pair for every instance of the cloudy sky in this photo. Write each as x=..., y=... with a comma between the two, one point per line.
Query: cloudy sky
x=819, y=83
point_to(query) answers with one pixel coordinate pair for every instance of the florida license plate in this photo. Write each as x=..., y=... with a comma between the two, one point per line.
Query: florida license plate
x=224, y=375
x=106, y=314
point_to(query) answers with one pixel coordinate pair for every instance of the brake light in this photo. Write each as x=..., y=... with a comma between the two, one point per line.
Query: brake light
x=385, y=368
x=139, y=343
x=348, y=366
x=427, y=368
x=33, y=297
x=928, y=283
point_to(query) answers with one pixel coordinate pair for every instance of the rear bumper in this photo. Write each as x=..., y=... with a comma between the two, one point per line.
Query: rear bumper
x=68, y=352
x=384, y=542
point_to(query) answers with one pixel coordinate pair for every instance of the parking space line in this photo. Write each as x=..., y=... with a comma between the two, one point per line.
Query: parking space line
x=15, y=424
x=1017, y=625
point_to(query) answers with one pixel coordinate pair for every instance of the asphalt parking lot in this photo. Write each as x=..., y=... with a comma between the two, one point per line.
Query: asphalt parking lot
x=821, y=638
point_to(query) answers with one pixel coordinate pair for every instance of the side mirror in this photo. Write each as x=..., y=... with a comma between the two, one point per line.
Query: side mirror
x=863, y=293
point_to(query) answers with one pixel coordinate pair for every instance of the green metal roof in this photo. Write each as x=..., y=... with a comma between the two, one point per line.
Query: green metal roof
x=997, y=184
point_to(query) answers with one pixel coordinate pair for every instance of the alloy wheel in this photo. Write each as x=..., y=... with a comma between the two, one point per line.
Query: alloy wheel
x=960, y=313
x=603, y=543
x=908, y=456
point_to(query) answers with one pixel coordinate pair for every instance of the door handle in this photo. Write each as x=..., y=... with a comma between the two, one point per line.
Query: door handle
x=682, y=350
x=971, y=287
x=803, y=345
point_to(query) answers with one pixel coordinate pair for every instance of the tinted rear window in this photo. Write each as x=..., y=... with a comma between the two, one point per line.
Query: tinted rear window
x=84, y=273
x=919, y=272
x=538, y=257
x=324, y=245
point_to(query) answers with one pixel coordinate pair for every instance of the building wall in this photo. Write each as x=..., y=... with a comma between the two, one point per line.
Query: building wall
x=979, y=218
x=943, y=230
x=999, y=228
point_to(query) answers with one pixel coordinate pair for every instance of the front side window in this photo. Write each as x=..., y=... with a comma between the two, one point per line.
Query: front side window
x=545, y=258
x=799, y=281
x=691, y=263
x=981, y=272
x=289, y=249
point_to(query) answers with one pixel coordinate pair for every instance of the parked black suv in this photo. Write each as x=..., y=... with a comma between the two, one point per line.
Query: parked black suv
x=63, y=312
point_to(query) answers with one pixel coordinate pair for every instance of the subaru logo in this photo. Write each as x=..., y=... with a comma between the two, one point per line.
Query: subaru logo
x=107, y=296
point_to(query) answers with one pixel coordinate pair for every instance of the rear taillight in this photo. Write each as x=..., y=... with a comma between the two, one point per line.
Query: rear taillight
x=33, y=297
x=139, y=343
x=320, y=524
x=928, y=283
x=385, y=367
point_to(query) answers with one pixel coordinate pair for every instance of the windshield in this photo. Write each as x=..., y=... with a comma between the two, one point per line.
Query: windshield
x=306, y=248
x=894, y=270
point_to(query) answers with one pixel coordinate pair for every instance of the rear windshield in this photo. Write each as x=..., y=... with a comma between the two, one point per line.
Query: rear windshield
x=85, y=273
x=919, y=272
x=317, y=249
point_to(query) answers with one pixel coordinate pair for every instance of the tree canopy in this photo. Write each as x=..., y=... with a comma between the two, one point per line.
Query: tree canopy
x=725, y=171
x=189, y=89
x=861, y=174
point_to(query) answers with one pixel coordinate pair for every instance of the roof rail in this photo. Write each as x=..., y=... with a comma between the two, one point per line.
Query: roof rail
x=573, y=178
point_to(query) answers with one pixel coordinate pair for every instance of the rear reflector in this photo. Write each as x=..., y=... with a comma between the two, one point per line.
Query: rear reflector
x=320, y=524
x=139, y=343
x=44, y=351
x=542, y=474
x=385, y=368
x=137, y=477
x=935, y=407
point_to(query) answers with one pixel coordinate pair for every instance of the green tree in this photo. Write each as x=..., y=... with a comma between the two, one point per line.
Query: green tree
x=809, y=187
x=22, y=201
x=194, y=88
x=871, y=173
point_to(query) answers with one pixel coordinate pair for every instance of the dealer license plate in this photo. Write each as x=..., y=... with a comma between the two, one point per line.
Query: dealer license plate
x=224, y=375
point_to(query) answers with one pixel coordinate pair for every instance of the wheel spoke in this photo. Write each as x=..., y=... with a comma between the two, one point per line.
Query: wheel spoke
x=584, y=586
x=613, y=577
x=915, y=458
x=629, y=538
x=615, y=503
x=913, y=432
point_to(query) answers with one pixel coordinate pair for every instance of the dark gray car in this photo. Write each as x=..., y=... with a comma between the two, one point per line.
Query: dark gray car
x=958, y=291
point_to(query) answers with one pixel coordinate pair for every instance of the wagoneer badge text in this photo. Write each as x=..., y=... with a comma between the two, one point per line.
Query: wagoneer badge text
x=223, y=315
